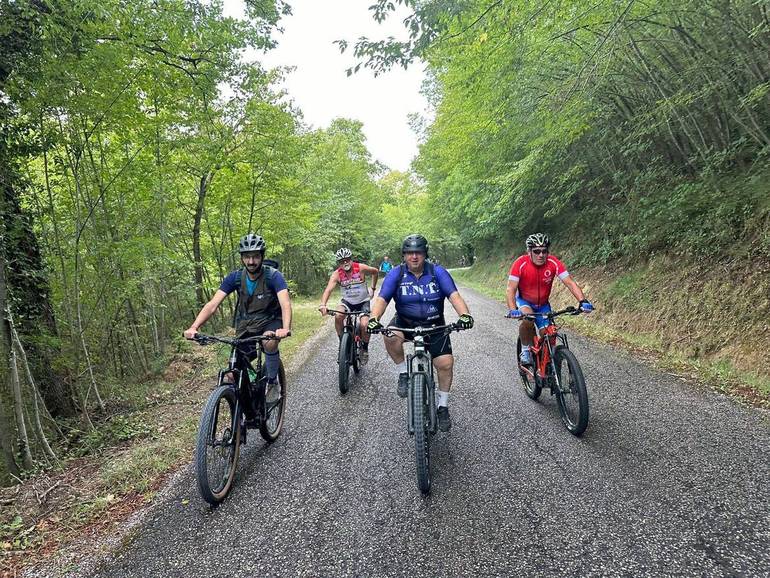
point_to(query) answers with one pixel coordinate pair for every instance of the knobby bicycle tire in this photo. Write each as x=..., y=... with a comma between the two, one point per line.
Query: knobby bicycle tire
x=343, y=361
x=271, y=424
x=218, y=445
x=420, y=409
x=531, y=388
x=571, y=395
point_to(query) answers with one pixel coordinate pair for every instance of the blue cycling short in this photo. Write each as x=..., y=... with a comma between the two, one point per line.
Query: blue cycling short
x=541, y=321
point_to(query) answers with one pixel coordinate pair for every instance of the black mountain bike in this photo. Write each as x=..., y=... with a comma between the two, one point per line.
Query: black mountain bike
x=421, y=420
x=240, y=400
x=349, y=355
x=554, y=366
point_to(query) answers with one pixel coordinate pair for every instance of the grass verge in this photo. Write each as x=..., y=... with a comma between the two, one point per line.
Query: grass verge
x=640, y=310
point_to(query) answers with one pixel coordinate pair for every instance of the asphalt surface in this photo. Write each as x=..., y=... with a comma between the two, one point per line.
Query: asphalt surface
x=668, y=480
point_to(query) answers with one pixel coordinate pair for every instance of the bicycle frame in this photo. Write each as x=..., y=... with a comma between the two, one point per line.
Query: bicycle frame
x=421, y=361
x=350, y=325
x=545, y=342
x=250, y=395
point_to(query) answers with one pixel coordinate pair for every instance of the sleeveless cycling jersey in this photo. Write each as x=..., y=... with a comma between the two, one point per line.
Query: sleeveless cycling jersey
x=353, y=285
x=535, y=283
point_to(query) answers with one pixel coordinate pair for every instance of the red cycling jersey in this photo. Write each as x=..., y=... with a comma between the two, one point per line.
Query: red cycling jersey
x=535, y=283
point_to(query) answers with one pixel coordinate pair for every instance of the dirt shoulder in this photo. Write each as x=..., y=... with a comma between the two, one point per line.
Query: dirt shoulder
x=71, y=518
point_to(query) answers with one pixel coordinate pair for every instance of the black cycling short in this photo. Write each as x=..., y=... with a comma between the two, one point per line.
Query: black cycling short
x=363, y=307
x=438, y=344
x=250, y=349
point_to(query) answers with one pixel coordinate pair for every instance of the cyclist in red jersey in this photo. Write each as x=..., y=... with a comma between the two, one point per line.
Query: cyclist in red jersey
x=529, y=287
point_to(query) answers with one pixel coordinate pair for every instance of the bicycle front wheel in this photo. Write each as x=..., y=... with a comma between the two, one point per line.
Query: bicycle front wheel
x=571, y=394
x=343, y=360
x=218, y=445
x=271, y=424
x=421, y=416
x=531, y=388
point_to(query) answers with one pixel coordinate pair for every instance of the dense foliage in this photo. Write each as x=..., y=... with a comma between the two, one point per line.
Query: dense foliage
x=137, y=147
x=631, y=127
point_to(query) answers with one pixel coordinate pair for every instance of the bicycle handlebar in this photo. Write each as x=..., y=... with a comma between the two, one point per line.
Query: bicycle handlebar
x=419, y=330
x=550, y=314
x=202, y=339
x=331, y=312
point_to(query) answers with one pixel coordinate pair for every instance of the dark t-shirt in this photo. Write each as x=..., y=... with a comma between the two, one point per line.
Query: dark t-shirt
x=233, y=282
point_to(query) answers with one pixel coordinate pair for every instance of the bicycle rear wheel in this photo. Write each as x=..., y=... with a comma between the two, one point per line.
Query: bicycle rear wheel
x=571, y=394
x=421, y=416
x=218, y=445
x=343, y=360
x=531, y=388
x=271, y=424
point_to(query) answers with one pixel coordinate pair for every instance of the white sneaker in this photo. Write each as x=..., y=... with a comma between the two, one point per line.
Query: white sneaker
x=525, y=357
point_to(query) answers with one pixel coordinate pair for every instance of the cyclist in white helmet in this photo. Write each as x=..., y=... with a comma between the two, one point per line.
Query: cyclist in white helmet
x=529, y=287
x=356, y=296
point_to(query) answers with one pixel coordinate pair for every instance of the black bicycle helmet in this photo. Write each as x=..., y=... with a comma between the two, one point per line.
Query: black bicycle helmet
x=251, y=242
x=538, y=240
x=415, y=243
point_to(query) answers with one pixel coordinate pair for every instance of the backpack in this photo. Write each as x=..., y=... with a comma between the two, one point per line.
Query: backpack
x=270, y=265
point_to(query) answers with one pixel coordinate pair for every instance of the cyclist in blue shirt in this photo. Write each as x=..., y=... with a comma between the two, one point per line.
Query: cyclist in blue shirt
x=419, y=288
x=264, y=305
x=386, y=265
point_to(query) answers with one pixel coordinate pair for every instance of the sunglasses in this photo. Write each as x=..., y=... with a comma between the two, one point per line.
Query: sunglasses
x=539, y=251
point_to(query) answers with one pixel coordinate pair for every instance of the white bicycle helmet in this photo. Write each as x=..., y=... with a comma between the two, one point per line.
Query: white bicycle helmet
x=538, y=240
x=343, y=253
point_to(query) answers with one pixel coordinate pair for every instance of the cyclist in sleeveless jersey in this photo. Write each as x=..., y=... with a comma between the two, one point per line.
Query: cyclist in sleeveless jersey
x=529, y=286
x=263, y=306
x=351, y=277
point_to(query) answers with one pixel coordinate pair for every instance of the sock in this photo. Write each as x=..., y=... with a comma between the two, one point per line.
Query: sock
x=401, y=367
x=272, y=363
x=443, y=398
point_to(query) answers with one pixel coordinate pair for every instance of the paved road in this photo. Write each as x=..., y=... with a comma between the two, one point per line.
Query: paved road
x=667, y=480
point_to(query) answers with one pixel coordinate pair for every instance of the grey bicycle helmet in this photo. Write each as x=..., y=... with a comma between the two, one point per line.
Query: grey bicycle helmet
x=343, y=253
x=415, y=244
x=538, y=240
x=251, y=242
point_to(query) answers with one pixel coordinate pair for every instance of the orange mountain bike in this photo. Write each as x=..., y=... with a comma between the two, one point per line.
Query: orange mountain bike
x=557, y=368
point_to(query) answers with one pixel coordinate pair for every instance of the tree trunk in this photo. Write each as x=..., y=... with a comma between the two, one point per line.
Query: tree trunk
x=205, y=181
x=18, y=406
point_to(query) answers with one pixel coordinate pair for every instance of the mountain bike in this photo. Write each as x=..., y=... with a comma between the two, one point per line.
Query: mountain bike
x=349, y=355
x=554, y=366
x=421, y=420
x=241, y=400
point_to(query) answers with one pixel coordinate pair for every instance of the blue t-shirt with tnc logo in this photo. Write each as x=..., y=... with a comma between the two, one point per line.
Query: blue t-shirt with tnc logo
x=418, y=299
